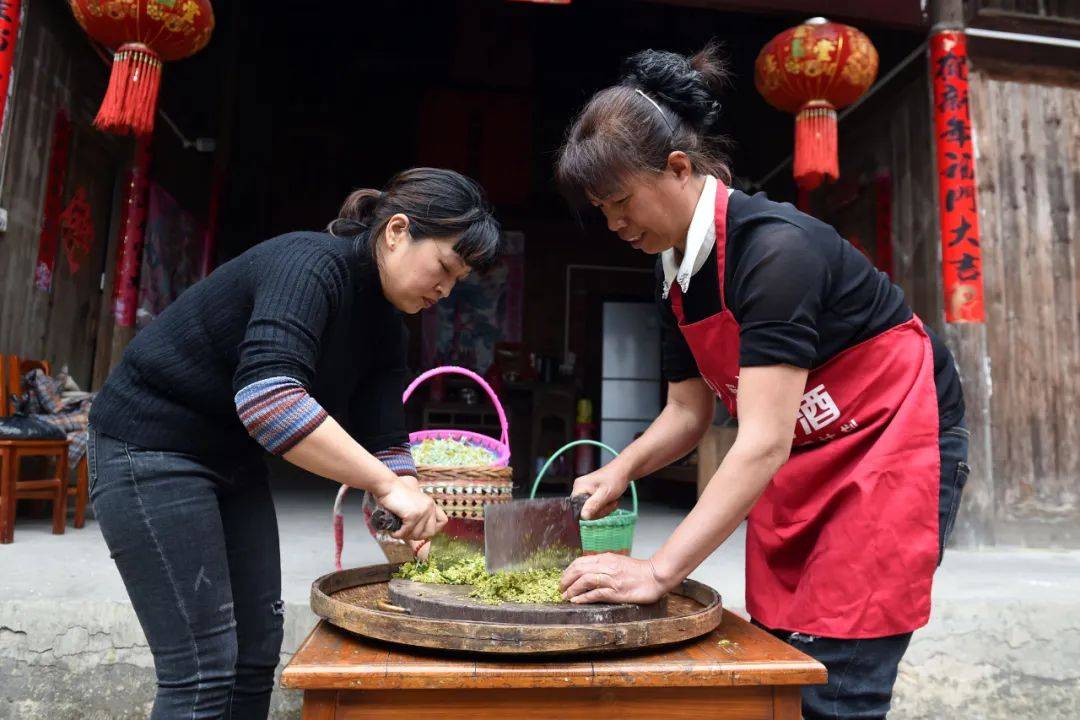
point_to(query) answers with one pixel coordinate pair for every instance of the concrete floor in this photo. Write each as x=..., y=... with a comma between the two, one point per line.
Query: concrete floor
x=1004, y=641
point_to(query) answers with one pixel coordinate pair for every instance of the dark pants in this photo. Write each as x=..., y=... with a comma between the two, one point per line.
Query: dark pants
x=862, y=672
x=197, y=546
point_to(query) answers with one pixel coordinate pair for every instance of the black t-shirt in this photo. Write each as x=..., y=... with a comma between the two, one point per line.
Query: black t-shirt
x=800, y=293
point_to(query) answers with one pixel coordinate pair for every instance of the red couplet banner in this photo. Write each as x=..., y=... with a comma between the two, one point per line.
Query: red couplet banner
x=961, y=251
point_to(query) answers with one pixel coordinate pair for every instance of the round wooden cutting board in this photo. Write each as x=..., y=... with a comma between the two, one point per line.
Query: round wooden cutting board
x=362, y=600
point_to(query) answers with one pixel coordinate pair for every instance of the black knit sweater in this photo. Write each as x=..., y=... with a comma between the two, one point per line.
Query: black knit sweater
x=305, y=305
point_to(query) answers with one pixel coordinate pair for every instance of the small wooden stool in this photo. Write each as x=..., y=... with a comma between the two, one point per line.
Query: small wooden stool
x=54, y=488
x=13, y=488
x=738, y=672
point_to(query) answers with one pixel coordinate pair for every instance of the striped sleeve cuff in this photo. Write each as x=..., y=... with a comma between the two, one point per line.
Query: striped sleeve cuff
x=278, y=412
x=399, y=459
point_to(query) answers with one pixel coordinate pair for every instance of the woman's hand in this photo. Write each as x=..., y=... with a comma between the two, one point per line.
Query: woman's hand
x=606, y=486
x=420, y=516
x=613, y=579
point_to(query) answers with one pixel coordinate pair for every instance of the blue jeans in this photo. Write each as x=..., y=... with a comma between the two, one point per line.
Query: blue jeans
x=862, y=672
x=196, y=544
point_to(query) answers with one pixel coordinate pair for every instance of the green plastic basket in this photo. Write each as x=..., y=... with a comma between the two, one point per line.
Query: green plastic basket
x=614, y=533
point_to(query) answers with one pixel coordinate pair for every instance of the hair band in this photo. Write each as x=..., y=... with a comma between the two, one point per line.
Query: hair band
x=658, y=109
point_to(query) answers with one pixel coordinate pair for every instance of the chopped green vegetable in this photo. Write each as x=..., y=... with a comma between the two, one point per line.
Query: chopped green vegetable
x=455, y=568
x=528, y=586
x=448, y=452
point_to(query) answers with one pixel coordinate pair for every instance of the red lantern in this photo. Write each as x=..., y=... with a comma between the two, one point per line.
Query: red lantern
x=812, y=70
x=143, y=34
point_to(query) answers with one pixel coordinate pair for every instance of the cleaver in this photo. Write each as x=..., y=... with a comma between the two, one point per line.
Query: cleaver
x=458, y=540
x=533, y=534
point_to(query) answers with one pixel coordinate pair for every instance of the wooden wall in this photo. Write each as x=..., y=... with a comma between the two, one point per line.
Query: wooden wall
x=55, y=68
x=1021, y=370
x=1029, y=206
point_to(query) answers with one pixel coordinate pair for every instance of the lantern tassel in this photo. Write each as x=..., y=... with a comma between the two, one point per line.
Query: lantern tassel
x=131, y=99
x=815, y=144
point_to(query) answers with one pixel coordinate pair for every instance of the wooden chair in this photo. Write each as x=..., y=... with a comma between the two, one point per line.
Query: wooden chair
x=12, y=487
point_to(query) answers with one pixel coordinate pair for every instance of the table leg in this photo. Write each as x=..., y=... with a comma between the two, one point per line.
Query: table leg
x=319, y=705
x=787, y=702
x=7, y=496
x=60, y=503
x=82, y=492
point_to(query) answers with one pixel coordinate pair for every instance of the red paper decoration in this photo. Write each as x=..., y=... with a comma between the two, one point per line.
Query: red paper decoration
x=961, y=253
x=143, y=34
x=812, y=70
x=77, y=229
x=54, y=195
x=9, y=33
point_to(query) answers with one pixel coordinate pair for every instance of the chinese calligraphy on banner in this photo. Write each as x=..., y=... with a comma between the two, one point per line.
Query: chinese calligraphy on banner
x=961, y=253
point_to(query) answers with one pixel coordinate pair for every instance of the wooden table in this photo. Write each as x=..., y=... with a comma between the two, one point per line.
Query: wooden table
x=737, y=672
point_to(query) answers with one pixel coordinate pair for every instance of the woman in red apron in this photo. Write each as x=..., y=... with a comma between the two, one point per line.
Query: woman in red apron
x=849, y=459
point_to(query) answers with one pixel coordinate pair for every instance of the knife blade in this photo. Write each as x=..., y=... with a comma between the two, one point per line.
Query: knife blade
x=533, y=534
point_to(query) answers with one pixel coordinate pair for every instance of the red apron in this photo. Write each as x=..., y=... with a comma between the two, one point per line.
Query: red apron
x=843, y=543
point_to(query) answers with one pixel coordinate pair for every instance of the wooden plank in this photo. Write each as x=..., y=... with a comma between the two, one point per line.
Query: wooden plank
x=429, y=670
x=928, y=302
x=744, y=703
x=974, y=525
x=1028, y=209
x=103, y=360
x=513, y=672
x=736, y=654
x=331, y=657
x=1044, y=391
x=1062, y=327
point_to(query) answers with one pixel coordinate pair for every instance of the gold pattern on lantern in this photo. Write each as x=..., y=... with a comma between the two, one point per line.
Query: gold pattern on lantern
x=114, y=9
x=824, y=50
x=182, y=22
x=861, y=66
x=770, y=74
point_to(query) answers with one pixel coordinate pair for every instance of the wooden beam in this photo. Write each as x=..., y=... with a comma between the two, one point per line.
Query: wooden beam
x=1025, y=61
x=907, y=15
x=1025, y=23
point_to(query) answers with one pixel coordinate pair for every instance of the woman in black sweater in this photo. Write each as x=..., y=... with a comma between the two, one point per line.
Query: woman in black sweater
x=296, y=347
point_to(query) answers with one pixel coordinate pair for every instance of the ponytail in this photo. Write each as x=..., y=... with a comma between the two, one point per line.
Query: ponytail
x=439, y=204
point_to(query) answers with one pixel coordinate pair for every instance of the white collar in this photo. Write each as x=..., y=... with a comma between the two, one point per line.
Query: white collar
x=700, y=238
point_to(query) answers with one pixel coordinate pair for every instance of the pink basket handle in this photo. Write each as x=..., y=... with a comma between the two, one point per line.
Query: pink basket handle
x=455, y=370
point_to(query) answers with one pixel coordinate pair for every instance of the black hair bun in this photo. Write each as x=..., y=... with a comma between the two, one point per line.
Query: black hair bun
x=688, y=86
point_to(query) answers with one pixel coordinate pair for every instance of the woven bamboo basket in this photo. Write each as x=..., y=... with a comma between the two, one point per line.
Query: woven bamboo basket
x=464, y=491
